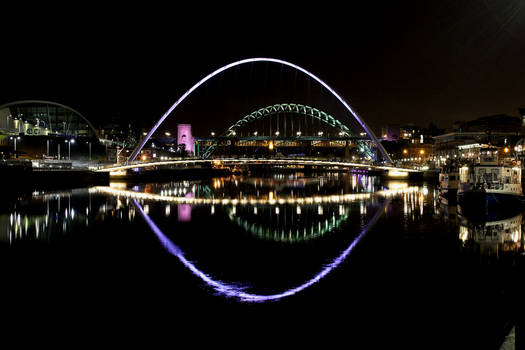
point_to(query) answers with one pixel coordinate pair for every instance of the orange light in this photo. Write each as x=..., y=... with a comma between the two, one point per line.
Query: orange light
x=405, y=151
x=506, y=150
x=422, y=151
x=270, y=145
x=144, y=157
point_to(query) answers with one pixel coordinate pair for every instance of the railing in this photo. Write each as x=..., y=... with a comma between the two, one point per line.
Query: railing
x=305, y=161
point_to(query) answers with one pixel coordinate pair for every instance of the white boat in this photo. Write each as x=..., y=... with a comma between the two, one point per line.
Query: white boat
x=492, y=183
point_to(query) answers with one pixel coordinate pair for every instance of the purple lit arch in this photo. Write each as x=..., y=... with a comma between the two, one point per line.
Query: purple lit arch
x=370, y=133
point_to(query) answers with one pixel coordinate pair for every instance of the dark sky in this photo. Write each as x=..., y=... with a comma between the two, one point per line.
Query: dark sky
x=420, y=62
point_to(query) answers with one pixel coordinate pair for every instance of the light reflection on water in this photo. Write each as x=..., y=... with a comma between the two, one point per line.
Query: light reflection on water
x=290, y=206
x=50, y=214
x=285, y=209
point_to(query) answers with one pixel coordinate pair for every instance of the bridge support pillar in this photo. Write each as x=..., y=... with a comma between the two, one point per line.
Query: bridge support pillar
x=309, y=148
x=347, y=150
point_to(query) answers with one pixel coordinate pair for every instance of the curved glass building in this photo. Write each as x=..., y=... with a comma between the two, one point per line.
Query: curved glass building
x=34, y=117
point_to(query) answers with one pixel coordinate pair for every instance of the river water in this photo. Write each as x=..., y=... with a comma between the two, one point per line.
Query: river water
x=383, y=259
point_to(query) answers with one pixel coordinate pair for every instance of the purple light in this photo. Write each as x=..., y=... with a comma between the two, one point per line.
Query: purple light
x=251, y=60
x=184, y=210
x=237, y=291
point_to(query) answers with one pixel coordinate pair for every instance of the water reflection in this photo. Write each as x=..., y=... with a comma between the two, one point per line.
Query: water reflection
x=237, y=290
x=291, y=223
x=487, y=234
x=287, y=209
x=282, y=208
x=493, y=237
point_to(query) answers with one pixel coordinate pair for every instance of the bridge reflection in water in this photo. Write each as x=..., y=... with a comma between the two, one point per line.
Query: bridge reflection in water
x=280, y=208
x=246, y=241
x=283, y=209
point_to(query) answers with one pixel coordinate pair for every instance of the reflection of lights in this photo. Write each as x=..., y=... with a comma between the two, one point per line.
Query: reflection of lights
x=253, y=201
x=397, y=173
x=118, y=185
x=117, y=173
x=400, y=190
x=463, y=233
x=298, y=210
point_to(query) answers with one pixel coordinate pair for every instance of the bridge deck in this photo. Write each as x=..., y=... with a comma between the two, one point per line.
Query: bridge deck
x=248, y=161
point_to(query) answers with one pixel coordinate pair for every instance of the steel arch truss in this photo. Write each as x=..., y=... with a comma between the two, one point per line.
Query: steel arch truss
x=287, y=108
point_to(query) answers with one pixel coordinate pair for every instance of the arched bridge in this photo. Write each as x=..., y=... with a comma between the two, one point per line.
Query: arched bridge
x=354, y=115
x=297, y=132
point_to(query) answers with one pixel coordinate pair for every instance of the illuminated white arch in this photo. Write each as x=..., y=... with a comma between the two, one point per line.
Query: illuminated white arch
x=370, y=133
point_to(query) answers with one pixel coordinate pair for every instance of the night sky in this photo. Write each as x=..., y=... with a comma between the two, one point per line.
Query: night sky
x=420, y=62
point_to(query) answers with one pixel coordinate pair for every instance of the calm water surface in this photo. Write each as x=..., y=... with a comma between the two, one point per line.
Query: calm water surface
x=376, y=257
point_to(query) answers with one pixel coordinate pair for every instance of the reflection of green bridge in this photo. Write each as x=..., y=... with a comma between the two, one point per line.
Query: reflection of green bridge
x=312, y=230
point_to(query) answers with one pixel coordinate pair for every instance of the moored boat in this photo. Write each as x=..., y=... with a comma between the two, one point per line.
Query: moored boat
x=490, y=184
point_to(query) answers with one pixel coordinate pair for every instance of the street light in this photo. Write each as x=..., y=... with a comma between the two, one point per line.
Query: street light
x=298, y=133
x=15, y=138
x=69, y=142
x=89, y=145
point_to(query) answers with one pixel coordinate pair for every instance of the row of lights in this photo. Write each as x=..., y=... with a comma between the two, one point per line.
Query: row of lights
x=277, y=133
x=245, y=201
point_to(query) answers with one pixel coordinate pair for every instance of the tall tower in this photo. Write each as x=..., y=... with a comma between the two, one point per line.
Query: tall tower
x=184, y=137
